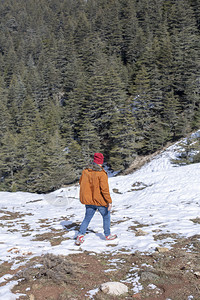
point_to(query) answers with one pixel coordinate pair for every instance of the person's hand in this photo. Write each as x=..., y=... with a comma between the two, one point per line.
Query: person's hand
x=109, y=206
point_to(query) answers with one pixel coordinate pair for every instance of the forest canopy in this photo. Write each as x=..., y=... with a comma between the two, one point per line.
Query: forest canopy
x=77, y=77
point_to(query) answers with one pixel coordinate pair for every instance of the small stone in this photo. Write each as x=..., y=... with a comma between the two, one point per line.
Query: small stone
x=116, y=191
x=114, y=288
x=162, y=249
x=31, y=297
x=140, y=232
x=149, y=276
x=156, y=230
x=197, y=273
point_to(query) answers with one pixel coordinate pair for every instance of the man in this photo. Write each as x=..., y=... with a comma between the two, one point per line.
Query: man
x=94, y=193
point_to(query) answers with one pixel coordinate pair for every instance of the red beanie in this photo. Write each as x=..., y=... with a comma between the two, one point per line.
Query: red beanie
x=98, y=158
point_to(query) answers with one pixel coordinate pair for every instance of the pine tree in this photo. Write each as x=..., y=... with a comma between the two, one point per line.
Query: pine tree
x=171, y=115
x=89, y=140
x=81, y=31
x=141, y=100
x=105, y=95
x=10, y=161
x=5, y=117
x=77, y=99
x=9, y=62
x=195, y=4
x=5, y=120
x=56, y=171
x=133, y=36
x=185, y=48
x=112, y=28
x=122, y=143
x=75, y=158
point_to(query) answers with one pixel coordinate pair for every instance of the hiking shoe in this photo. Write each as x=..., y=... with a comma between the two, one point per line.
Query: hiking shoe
x=79, y=240
x=111, y=237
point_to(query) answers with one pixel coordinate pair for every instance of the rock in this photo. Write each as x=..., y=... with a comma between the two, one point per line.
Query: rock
x=116, y=191
x=148, y=276
x=137, y=186
x=157, y=230
x=140, y=232
x=197, y=273
x=162, y=249
x=31, y=297
x=114, y=288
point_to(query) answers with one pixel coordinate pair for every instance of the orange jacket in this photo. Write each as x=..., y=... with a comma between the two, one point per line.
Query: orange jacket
x=94, y=189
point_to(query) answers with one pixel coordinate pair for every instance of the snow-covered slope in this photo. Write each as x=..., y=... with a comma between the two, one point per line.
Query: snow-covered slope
x=159, y=195
x=160, y=198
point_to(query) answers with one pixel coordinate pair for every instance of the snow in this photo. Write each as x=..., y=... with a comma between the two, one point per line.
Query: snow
x=91, y=293
x=159, y=198
x=5, y=291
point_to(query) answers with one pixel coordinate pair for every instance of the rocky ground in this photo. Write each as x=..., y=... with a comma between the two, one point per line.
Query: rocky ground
x=162, y=275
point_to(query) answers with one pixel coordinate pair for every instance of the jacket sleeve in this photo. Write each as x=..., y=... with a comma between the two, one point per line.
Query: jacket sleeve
x=105, y=188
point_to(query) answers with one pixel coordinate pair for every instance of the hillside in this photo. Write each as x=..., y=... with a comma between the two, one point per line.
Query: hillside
x=77, y=77
x=154, y=208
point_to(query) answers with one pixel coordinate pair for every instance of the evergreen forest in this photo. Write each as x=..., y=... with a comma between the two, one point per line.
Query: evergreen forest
x=121, y=77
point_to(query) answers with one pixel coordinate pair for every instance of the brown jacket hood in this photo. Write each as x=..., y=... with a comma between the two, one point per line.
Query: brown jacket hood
x=95, y=167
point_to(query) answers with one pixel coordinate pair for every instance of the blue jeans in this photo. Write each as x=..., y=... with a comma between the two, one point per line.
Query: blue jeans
x=89, y=213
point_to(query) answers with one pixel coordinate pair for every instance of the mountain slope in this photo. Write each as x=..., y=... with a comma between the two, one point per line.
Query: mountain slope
x=151, y=207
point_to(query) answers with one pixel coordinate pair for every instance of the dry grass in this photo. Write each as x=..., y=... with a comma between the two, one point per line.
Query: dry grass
x=8, y=215
x=196, y=220
x=59, y=269
x=55, y=237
